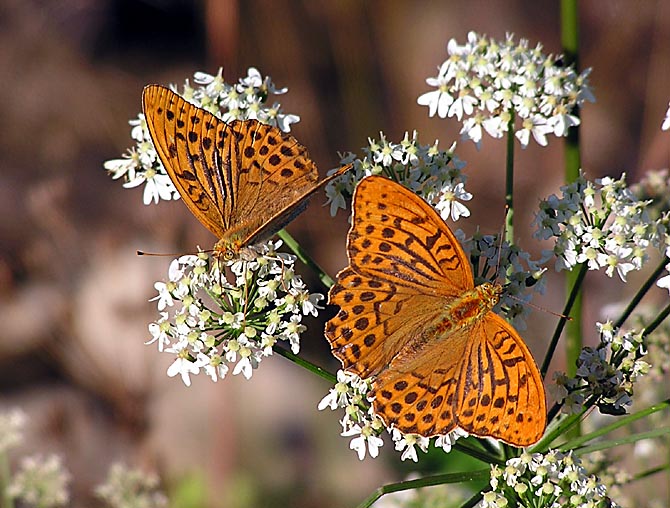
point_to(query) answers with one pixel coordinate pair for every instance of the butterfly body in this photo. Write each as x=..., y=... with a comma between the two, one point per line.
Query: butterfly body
x=412, y=320
x=243, y=180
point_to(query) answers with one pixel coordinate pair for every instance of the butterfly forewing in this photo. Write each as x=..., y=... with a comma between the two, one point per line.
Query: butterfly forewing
x=195, y=167
x=373, y=323
x=395, y=235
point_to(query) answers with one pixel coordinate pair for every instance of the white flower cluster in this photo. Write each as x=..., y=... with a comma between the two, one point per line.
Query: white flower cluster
x=12, y=423
x=433, y=174
x=550, y=480
x=211, y=324
x=606, y=372
x=602, y=224
x=654, y=187
x=240, y=101
x=366, y=428
x=40, y=481
x=125, y=487
x=490, y=259
x=490, y=83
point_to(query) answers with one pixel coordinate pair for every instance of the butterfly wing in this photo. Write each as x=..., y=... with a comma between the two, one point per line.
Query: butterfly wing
x=185, y=138
x=396, y=236
x=277, y=176
x=243, y=180
x=482, y=379
x=500, y=391
x=375, y=321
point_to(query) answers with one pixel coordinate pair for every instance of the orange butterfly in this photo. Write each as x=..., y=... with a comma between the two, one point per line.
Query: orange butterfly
x=412, y=317
x=242, y=180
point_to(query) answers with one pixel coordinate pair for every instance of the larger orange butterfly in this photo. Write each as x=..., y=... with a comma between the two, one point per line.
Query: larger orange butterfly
x=412, y=318
x=242, y=180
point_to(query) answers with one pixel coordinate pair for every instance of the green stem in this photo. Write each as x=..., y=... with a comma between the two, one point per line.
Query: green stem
x=656, y=322
x=649, y=472
x=570, y=43
x=640, y=294
x=331, y=378
x=574, y=300
x=509, y=182
x=618, y=423
x=470, y=476
x=305, y=258
x=573, y=328
x=464, y=446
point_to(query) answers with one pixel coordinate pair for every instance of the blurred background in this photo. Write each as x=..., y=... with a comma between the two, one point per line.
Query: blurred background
x=74, y=296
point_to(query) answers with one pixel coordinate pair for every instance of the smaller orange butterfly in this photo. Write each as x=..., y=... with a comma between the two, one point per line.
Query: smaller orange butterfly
x=412, y=319
x=243, y=180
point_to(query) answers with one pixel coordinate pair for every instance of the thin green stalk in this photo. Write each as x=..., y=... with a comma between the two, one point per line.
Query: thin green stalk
x=629, y=439
x=305, y=258
x=640, y=294
x=656, y=322
x=331, y=378
x=649, y=472
x=570, y=43
x=573, y=301
x=486, y=457
x=618, y=423
x=509, y=182
x=469, y=476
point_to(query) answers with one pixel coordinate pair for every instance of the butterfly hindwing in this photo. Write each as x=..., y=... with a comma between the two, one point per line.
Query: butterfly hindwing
x=500, y=391
x=373, y=325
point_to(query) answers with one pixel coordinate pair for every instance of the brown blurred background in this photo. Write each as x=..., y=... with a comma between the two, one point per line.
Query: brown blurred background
x=74, y=296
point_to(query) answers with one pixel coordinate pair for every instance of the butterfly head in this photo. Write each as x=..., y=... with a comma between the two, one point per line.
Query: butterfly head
x=230, y=249
x=490, y=293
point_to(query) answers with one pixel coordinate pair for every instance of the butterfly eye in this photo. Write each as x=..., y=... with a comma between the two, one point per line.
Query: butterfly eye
x=228, y=255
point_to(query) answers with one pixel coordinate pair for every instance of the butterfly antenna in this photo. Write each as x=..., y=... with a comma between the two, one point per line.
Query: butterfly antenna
x=537, y=307
x=162, y=254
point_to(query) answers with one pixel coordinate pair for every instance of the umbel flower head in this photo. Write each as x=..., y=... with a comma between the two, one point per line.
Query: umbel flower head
x=486, y=84
x=435, y=175
x=210, y=324
x=606, y=372
x=246, y=99
x=551, y=480
x=601, y=224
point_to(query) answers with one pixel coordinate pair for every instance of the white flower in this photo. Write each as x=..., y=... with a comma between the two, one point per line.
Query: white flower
x=164, y=297
x=182, y=364
x=447, y=201
x=446, y=441
x=364, y=440
x=438, y=101
x=664, y=282
x=158, y=186
x=407, y=443
x=159, y=331
x=666, y=121
x=537, y=126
